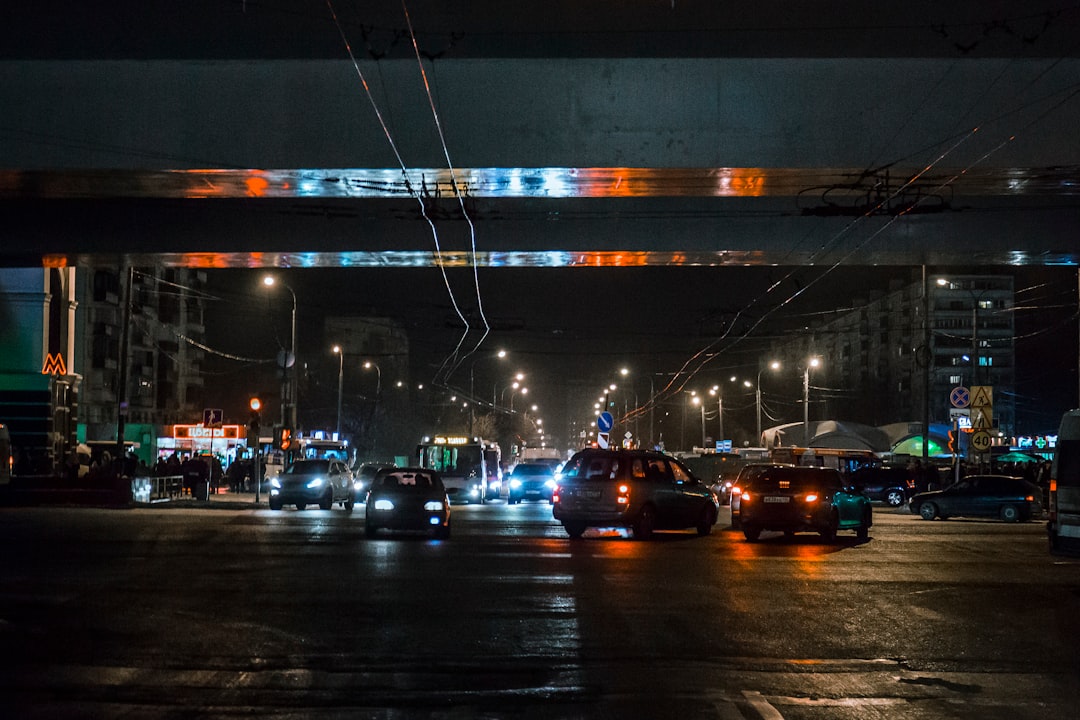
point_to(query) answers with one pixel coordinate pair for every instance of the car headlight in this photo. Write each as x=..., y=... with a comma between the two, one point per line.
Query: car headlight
x=515, y=484
x=275, y=483
x=317, y=482
x=549, y=484
x=384, y=505
x=433, y=506
x=357, y=485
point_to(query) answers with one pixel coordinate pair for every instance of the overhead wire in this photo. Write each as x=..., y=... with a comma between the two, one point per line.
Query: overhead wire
x=457, y=192
x=404, y=170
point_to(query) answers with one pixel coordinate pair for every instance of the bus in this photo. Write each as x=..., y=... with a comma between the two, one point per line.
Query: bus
x=462, y=462
x=1063, y=526
x=846, y=461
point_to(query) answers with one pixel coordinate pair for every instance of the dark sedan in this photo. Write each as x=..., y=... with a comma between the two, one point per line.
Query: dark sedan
x=407, y=499
x=531, y=481
x=1011, y=499
x=796, y=499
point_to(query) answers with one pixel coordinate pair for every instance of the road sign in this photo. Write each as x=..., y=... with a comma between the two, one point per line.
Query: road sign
x=604, y=421
x=212, y=417
x=960, y=397
x=982, y=418
x=980, y=440
x=602, y=441
x=982, y=395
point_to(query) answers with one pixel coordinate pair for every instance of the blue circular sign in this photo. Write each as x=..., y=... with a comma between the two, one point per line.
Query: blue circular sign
x=604, y=421
x=960, y=397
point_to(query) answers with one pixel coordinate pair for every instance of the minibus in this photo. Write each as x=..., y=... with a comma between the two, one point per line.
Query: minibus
x=1064, y=524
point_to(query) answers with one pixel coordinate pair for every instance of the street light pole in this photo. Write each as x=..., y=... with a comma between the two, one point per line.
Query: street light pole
x=340, y=383
x=774, y=365
x=812, y=362
x=288, y=404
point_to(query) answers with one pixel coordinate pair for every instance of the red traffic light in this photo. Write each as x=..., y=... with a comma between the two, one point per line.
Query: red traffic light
x=255, y=404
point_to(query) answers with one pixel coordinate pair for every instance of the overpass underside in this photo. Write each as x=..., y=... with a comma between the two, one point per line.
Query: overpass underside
x=556, y=162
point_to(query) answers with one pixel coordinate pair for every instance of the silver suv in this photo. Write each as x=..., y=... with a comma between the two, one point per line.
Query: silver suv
x=637, y=489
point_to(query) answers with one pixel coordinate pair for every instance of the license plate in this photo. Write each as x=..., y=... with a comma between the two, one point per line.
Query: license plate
x=591, y=494
x=776, y=499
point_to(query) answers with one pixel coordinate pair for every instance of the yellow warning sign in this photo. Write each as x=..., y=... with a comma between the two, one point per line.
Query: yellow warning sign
x=982, y=396
x=982, y=418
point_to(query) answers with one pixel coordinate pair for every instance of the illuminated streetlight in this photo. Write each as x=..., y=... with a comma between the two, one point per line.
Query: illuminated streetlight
x=288, y=406
x=774, y=365
x=340, y=383
x=813, y=362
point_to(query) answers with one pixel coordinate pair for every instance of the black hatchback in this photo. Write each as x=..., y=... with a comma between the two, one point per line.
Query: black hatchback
x=1011, y=499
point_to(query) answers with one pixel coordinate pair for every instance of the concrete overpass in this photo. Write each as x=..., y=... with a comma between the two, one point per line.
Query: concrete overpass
x=243, y=134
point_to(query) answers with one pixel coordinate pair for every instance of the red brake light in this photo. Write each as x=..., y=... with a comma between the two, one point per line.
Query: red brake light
x=624, y=495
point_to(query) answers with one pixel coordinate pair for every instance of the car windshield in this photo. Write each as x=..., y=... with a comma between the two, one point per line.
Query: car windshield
x=522, y=470
x=308, y=467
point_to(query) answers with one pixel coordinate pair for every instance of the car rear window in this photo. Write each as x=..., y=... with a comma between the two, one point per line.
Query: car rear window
x=782, y=480
x=407, y=479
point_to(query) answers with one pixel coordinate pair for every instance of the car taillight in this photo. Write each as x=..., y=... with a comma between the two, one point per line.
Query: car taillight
x=736, y=490
x=1030, y=498
x=624, y=495
x=811, y=498
x=555, y=493
x=745, y=496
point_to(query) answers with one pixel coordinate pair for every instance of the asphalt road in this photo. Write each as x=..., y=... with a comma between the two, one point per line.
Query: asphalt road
x=224, y=611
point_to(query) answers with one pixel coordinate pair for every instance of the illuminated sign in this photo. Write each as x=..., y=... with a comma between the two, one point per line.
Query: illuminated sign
x=200, y=432
x=54, y=365
x=452, y=440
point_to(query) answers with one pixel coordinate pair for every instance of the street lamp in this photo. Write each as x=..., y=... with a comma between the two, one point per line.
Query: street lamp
x=811, y=363
x=696, y=400
x=368, y=364
x=774, y=365
x=472, y=385
x=340, y=383
x=523, y=391
x=289, y=384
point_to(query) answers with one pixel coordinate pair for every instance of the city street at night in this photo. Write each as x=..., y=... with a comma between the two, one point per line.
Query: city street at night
x=227, y=609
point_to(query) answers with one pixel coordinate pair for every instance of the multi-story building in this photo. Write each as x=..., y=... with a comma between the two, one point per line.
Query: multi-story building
x=165, y=334
x=880, y=360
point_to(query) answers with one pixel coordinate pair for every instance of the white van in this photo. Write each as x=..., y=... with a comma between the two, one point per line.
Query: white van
x=1064, y=525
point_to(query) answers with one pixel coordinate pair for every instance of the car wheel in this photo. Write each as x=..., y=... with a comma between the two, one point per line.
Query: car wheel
x=349, y=504
x=645, y=523
x=863, y=531
x=275, y=504
x=301, y=506
x=327, y=501
x=828, y=533
x=751, y=532
x=928, y=511
x=574, y=530
x=1010, y=513
x=895, y=498
x=706, y=521
x=370, y=529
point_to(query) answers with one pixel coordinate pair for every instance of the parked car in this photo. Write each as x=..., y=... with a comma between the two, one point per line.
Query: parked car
x=1012, y=499
x=407, y=499
x=322, y=482
x=798, y=499
x=637, y=489
x=890, y=485
x=717, y=470
x=531, y=480
x=742, y=484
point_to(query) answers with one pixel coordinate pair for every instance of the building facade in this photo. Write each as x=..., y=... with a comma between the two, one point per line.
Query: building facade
x=881, y=360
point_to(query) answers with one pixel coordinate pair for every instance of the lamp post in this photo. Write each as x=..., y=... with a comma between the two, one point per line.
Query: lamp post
x=811, y=363
x=340, y=383
x=523, y=391
x=697, y=400
x=472, y=386
x=288, y=406
x=774, y=365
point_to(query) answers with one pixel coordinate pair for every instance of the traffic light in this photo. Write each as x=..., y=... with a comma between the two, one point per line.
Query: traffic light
x=283, y=437
x=253, y=423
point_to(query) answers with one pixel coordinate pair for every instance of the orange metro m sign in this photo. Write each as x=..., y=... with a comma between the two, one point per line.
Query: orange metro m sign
x=54, y=365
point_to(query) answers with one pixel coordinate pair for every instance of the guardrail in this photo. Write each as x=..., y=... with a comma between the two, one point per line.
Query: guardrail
x=156, y=489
